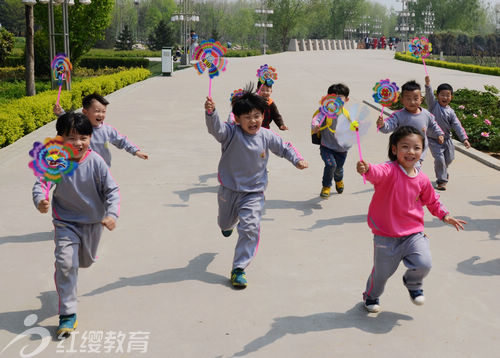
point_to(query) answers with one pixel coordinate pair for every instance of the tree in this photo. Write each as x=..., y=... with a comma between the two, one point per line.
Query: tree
x=12, y=16
x=287, y=14
x=125, y=40
x=6, y=44
x=163, y=35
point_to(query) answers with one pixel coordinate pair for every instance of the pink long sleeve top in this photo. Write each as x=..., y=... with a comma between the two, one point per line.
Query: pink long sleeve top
x=396, y=208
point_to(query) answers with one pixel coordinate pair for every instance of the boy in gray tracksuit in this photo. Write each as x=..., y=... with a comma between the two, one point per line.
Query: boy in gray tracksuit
x=412, y=115
x=446, y=118
x=242, y=173
x=94, y=107
x=82, y=203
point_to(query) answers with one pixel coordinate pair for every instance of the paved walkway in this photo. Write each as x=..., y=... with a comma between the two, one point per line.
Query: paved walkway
x=164, y=270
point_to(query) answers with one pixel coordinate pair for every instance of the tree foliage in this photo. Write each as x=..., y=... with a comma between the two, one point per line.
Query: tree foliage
x=12, y=16
x=6, y=44
x=125, y=40
x=162, y=36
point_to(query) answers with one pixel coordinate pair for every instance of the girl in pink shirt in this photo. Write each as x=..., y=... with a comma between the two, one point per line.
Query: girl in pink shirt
x=396, y=216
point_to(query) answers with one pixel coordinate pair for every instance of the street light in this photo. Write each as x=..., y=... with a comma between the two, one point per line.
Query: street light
x=30, y=50
x=428, y=15
x=497, y=13
x=405, y=21
x=185, y=16
x=264, y=24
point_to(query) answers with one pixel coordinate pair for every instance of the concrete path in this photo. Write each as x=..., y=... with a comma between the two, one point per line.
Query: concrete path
x=165, y=268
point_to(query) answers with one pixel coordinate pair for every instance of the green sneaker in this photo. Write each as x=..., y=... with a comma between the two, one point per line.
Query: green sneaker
x=67, y=324
x=239, y=278
x=227, y=233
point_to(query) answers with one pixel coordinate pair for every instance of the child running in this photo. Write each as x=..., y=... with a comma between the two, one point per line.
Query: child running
x=446, y=118
x=81, y=205
x=94, y=107
x=242, y=173
x=271, y=112
x=412, y=115
x=396, y=217
x=332, y=152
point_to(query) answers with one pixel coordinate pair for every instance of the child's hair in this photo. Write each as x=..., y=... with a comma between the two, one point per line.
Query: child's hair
x=399, y=134
x=339, y=89
x=248, y=101
x=444, y=87
x=260, y=84
x=73, y=121
x=87, y=100
x=410, y=86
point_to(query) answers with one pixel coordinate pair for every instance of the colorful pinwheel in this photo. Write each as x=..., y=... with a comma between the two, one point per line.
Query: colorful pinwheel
x=61, y=71
x=420, y=48
x=386, y=93
x=267, y=75
x=210, y=55
x=52, y=160
x=331, y=106
x=236, y=93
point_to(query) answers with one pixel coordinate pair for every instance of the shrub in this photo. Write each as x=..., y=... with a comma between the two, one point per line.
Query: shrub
x=102, y=62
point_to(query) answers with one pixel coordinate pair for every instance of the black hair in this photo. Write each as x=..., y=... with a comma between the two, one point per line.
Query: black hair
x=87, y=100
x=410, y=86
x=444, y=87
x=260, y=84
x=399, y=134
x=73, y=121
x=248, y=101
x=339, y=89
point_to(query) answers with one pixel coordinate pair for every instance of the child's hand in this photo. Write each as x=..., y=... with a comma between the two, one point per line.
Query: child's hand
x=427, y=81
x=315, y=129
x=284, y=127
x=209, y=105
x=109, y=223
x=440, y=139
x=380, y=122
x=43, y=206
x=455, y=222
x=57, y=109
x=362, y=167
x=467, y=144
x=141, y=155
x=302, y=164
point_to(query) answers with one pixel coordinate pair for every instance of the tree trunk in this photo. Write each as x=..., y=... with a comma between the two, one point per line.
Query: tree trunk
x=30, y=52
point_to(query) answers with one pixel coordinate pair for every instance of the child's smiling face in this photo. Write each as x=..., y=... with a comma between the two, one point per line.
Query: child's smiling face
x=81, y=143
x=250, y=122
x=265, y=91
x=96, y=113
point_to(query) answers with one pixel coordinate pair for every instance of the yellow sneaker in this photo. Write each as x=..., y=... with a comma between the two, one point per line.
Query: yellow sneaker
x=325, y=192
x=339, y=186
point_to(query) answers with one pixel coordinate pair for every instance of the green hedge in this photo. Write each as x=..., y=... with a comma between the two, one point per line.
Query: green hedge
x=243, y=53
x=96, y=62
x=22, y=116
x=494, y=71
x=12, y=73
x=14, y=61
x=128, y=53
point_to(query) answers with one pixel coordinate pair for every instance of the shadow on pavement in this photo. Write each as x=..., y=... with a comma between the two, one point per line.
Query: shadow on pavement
x=353, y=219
x=488, y=268
x=28, y=238
x=195, y=270
x=491, y=226
x=494, y=200
x=306, y=206
x=356, y=317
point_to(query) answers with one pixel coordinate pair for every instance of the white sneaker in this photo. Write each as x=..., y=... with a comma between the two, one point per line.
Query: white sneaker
x=417, y=297
x=372, y=306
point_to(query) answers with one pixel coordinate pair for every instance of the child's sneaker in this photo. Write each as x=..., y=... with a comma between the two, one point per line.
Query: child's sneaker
x=239, y=278
x=325, y=192
x=441, y=186
x=67, y=324
x=417, y=297
x=372, y=306
x=227, y=233
x=339, y=186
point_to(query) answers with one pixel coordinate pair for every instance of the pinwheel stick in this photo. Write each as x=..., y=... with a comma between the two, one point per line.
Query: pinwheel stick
x=47, y=189
x=425, y=67
x=210, y=87
x=381, y=115
x=359, y=150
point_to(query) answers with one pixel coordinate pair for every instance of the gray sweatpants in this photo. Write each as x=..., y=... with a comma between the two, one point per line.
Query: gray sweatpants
x=247, y=209
x=76, y=246
x=443, y=155
x=413, y=250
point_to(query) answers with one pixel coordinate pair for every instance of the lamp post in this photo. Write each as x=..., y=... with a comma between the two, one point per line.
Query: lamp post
x=185, y=16
x=497, y=16
x=428, y=15
x=405, y=23
x=30, y=52
x=264, y=24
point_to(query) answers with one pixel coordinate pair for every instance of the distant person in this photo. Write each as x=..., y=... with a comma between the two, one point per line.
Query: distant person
x=94, y=107
x=447, y=120
x=271, y=112
x=242, y=173
x=412, y=115
x=332, y=152
x=82, y=204
x=396, y=217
